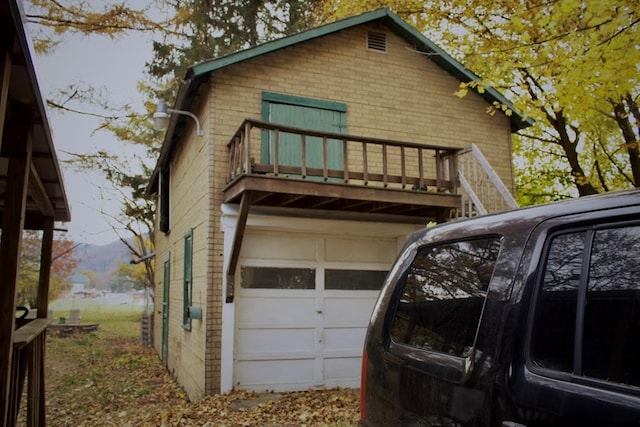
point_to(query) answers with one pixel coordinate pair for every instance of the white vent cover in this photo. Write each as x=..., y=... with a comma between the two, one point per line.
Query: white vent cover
x=377, y=41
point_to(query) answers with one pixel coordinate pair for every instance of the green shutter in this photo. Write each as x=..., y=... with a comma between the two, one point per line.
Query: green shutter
x=166, y=277
x=304, y=113
x=188, y=276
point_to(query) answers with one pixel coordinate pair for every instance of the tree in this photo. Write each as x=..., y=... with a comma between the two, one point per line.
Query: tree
x=192, y=31
x=565, y=63
x=57, y=17
x=213, y=28
x=128, y=176
x=63, y=264
x=130, y=276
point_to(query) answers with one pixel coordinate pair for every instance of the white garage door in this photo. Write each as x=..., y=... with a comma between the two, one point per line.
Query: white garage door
x=303, y=305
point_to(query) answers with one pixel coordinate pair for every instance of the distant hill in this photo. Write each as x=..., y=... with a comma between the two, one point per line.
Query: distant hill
x=102, y=259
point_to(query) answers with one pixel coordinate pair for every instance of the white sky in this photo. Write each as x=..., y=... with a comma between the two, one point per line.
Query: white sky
x=114, y=66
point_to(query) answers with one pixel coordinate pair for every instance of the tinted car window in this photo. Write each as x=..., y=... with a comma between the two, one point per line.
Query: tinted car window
x=555, y=322
x=443, y=295
x=611, y=344
x=588, y=311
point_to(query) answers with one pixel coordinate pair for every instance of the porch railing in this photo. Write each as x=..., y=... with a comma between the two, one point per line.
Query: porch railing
x=482, y=189
x=256, y=147
x=27, y=362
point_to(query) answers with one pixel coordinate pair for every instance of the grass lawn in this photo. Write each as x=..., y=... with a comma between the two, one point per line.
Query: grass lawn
x=116, y=315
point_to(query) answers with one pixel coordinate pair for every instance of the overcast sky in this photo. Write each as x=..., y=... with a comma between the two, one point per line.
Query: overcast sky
x=114, y=66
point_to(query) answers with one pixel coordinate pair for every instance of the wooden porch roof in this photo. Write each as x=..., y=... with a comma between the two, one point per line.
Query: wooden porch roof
x=22, y=113
x=32, y=196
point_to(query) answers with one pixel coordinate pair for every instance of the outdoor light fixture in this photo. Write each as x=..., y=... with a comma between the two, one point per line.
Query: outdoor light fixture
x=163, y=113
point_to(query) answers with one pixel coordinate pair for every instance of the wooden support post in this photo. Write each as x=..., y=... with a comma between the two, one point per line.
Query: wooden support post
x=303, y=154
x=6, y=44
x=247, y=148
x=325, y=159
x=46, y=252
x=345, y=160
x=18, y=144
x=238, y=236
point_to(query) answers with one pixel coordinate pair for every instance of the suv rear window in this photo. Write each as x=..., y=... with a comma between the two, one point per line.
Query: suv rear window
x=587, y=315
x=443, y=296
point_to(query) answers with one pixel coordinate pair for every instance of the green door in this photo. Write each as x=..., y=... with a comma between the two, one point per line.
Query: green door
x=306, y=114
x=165, y=308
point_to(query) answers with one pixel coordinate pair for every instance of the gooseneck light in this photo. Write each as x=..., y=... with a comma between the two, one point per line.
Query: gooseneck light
x=163, y=114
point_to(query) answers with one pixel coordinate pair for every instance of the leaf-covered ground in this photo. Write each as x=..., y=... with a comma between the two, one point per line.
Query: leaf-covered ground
x=104, y=380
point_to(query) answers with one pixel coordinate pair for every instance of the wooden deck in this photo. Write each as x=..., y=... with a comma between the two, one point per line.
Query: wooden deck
x=382, y=179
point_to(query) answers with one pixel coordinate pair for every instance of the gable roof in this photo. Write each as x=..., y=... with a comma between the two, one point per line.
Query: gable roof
x=385, y=16
x=199, y=73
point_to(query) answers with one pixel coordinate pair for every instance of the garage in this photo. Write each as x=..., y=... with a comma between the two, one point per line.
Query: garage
x=303, y=302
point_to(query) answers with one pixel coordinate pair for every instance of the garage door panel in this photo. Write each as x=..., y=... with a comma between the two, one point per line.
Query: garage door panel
x=342, y=370
x=352, y=311
x=344, y=339
x=257, y=341
x=360, y=250
x=269, y=373
x=277, y=310
x=263, y=246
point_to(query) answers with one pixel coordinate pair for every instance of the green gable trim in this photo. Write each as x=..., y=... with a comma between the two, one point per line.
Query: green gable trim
x=271, y=46
x=383, y=16
x=282, y=98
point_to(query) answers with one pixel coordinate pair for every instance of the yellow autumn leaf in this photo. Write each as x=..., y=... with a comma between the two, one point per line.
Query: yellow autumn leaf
x=461, y=93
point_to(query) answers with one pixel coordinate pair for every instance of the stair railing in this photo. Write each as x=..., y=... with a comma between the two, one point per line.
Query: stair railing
x=482, y=190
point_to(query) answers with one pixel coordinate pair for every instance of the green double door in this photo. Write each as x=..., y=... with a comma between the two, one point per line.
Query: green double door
x=314, y=115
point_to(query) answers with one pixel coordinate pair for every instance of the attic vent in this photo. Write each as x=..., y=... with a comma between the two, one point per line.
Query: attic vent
x=377, y=41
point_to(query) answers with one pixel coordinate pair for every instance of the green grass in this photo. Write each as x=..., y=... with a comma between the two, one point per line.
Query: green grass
x=113, y=320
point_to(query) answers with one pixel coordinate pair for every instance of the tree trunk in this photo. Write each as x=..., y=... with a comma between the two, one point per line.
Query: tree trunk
x=621, y=115
x=585, y=188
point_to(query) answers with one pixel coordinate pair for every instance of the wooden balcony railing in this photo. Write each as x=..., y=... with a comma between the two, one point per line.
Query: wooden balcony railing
x=256, y=147
x=27, y=362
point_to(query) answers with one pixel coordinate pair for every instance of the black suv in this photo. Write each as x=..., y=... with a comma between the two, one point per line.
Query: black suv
x=524, y=318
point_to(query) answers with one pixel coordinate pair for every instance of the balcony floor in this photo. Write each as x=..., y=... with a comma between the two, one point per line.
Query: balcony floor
x=338, y=200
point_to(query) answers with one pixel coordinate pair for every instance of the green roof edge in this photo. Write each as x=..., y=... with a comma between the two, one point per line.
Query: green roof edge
x=411, y=35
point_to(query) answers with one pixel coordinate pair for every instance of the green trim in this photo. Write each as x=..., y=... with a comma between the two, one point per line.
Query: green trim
x=282, y=98
x=187, y=279
x=166, y=279
x=271, y=46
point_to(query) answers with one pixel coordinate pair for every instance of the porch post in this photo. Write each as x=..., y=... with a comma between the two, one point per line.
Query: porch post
x=238, y=236
x=45, y=268
x=17, y=144
x=6, y=42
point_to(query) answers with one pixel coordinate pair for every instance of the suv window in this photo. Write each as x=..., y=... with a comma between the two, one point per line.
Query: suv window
x=588, y=310
x=443, y=296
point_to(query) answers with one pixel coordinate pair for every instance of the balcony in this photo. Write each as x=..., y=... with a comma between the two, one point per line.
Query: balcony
x=340, y=176
x=326, y=175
